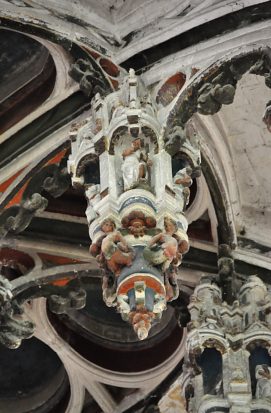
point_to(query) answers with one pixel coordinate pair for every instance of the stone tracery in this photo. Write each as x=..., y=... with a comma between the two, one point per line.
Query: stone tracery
x=133, y=233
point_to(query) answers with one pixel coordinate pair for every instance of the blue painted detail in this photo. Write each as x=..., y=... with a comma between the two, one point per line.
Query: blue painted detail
x=137, y=200
x=97, y=229
x=149, y=299
x=180, y=225
x=139, y=265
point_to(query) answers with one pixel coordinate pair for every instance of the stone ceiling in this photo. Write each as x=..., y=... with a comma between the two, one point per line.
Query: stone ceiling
x=250, y=147
x=161, y=40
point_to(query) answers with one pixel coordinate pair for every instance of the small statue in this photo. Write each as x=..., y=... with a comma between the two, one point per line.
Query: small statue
x=93, y=197
x=181, y=183
x=134, y=167
x=138, y=224
x=137, y=227
x=171, y=284
x=263, y=376
x=163, y=248
x=109, y=288
x=112, y=248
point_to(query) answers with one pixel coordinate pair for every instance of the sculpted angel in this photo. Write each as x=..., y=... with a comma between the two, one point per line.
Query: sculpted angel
x=112, y=247
x=163, y=248
x=181, y=183
x=134, y=167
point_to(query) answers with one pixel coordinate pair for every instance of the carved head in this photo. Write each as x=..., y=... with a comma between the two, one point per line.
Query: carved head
x=108, y=225
x=137, y=223
x=137, y=144
x=183, y=246
x=170, y=226
x=263, y=371
x=137, y=227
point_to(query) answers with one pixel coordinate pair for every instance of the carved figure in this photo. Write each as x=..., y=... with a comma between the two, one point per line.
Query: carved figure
x=263, y=376
x=93, y=196
x=159, y=305
x=137, y=228
x=163, y=248
x=134, y=168
x=112, y=253
x=181, y=183
x=171, y=285
x=114, y=248
x=109, y=288
x=262, y=68
x=137, y=223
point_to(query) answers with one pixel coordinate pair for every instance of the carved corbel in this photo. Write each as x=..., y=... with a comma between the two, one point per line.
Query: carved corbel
x=54, y=179
x=90, y=80
x=13, y=329
x=61, y=298
x=27, y=209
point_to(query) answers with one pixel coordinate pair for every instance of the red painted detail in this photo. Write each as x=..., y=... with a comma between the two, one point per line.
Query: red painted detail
x=8, y=254
x=62, y=282
x=9, y=181
x=18, y=197
x=94, y=54
x=149, y=281
x=57, y=158
x=170, y=88
x=58, y=260
x=110, y=68
x=114, y=83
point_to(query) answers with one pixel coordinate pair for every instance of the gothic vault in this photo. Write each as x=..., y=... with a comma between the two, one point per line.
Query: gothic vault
x=135, y=206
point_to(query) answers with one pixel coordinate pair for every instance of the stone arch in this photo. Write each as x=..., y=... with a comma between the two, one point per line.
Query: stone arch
x=206, y=93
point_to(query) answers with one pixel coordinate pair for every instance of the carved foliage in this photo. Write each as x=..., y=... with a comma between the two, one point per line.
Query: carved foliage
x=217, y=85
x=13, y=329
x=52, y=179
x=90, y=80
x=67, y=299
